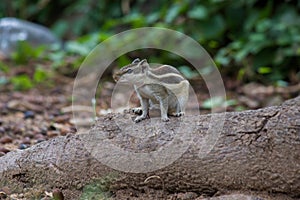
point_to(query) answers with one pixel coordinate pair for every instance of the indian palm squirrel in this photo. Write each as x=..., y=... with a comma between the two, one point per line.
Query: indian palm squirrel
x=161, y=87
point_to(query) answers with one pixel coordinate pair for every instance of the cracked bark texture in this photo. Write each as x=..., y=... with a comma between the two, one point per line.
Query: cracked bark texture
x=256, y=150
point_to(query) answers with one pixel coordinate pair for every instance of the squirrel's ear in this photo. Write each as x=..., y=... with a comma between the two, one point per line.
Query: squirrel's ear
x=144, y=65
x=137, y=60
x=144, y=61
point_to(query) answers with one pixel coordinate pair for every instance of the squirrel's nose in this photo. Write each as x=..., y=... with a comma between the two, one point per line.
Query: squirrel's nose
x=116, y=77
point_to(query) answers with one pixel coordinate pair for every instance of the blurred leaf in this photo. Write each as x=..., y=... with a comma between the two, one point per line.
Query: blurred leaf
x=241, y=35
x=40, y=75
x=153, y=17
x=77, y=48
x=172, y=13
x=94, y=191
x=267, y=9
x=263, y=58
x=263, y=25
x=213, y=27
x=251, y=19
x=288, y=15
x=98, y=189
x=3, y=80
x=21, y=82
x=3, y=67
x=213, y=102
x=218, y=102
x=56, y=56
x=241, y=55
x=135, y=19
x=188, y=72
x=240, y=108
x=123, y=60
x=264, y=70
x=25, y=52
x=230, y=102
x=213, y=44
x=206, y=70
x=234, y=17
x=222, y=58
x=257, y=37
x=277, y=75
x=199, y=12
x=241, y=74
x=284, y=39
x=60, y=28
x=282, y=83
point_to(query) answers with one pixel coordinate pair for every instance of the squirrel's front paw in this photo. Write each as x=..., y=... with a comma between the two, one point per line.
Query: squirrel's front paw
x=179, y=114
x=165, y=119
x=139, y=118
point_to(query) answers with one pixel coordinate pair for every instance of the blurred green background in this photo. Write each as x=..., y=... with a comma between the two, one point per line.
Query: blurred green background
x=249, y=39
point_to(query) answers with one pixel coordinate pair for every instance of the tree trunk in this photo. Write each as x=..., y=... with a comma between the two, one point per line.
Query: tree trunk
x=256, y=150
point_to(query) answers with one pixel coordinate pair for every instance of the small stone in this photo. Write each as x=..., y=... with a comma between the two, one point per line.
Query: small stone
x=13, y=104
x=26, y=140
x=57, y=126
x=52, y=127
x=17, y=130
x=29, y=114
x=23, y=146
x=52, y=134
x=4, y=150
x=4, y=111
x=62, y=118
x=39, y=136
x=44, y=131
x=6, y=139
x=19, y=115
x=29, y=134
x=57, y=194
x=64, y=131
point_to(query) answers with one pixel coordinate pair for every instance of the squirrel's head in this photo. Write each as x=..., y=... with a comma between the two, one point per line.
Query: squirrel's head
x=133, y=72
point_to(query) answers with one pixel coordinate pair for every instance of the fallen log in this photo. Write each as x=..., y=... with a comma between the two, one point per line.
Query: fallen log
x=255, y=150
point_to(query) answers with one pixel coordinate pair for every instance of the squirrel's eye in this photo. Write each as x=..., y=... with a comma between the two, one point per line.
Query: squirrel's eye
x=129, y=70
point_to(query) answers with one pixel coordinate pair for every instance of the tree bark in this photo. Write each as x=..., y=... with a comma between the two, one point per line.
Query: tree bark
x=255, y=150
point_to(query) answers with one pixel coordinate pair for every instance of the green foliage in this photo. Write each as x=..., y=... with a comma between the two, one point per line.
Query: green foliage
x=215, y=102
x=21, y=82
x=3, y=67
x=3, y=80
x=25, y=52
x=268, y=42
x=3, y=70
x=24, y=82
x=254, y=40
x=188, y=72
x=98, y=189
x=40, y=75
x=94, y=191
